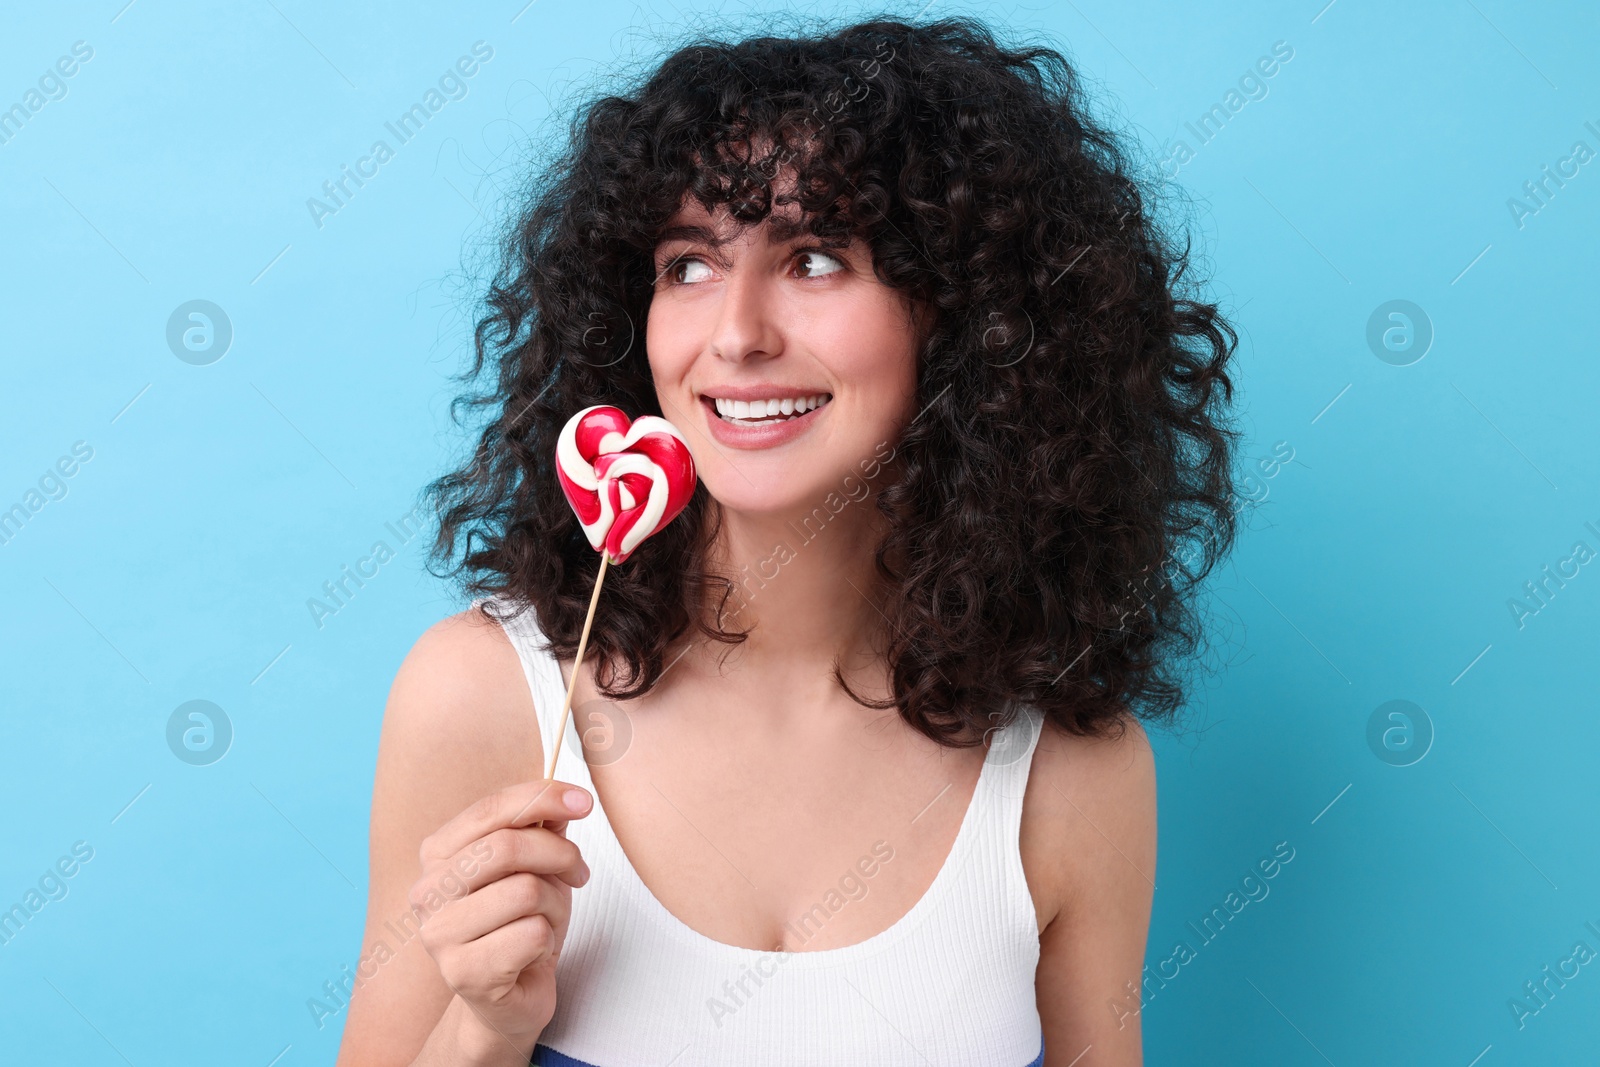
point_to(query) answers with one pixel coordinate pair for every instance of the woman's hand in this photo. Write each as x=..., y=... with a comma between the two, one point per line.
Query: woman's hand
x=494, y=898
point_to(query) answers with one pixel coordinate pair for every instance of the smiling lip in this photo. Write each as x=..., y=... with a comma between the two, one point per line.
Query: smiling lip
x=770, y=435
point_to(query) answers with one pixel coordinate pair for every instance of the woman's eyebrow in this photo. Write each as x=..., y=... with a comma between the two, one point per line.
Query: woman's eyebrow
x=688, y=233
x=779, y=231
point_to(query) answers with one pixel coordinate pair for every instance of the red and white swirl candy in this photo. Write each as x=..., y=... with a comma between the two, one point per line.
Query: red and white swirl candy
x=625, y=479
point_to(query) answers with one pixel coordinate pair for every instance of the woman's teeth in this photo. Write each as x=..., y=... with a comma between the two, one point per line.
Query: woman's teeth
x=760, y=412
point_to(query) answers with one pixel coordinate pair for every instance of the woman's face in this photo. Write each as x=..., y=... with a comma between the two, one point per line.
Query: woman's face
x=738, y=325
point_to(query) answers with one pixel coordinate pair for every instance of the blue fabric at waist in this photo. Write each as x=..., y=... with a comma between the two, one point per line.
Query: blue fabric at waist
x=544, y=1056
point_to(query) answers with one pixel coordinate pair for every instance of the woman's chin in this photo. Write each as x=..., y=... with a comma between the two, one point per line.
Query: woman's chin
x=765, y=505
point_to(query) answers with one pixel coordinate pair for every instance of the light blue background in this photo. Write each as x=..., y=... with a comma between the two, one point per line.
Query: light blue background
x=219, y=499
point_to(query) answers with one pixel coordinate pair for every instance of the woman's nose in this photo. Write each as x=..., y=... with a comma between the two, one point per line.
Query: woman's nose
x=746, y=327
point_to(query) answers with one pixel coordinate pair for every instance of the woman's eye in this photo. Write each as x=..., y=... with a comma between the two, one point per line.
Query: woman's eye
x=677, y=270
x=815, y=255
x=813, y=263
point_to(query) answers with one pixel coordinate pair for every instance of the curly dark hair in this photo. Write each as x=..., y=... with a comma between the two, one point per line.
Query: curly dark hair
x=1067, y=483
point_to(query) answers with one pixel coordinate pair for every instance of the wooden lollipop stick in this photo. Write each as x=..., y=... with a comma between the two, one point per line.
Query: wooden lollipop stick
x=583, y=642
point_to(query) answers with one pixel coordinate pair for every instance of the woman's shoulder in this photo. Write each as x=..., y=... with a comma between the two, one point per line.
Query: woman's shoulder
x=1088, y=817
x=460, y=715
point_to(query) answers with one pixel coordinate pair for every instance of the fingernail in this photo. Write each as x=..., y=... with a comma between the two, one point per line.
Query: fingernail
x=577, y=801
x=586, y=872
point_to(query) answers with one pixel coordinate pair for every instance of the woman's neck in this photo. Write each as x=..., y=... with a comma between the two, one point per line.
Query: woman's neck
x=805, y=587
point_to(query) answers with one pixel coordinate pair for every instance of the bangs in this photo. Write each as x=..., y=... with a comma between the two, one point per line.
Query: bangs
x=783, y=175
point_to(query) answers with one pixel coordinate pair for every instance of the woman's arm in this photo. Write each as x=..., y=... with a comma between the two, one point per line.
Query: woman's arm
x=1089, y=846
x=459, y=725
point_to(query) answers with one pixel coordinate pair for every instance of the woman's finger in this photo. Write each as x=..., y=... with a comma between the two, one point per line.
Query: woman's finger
x=502, y=852
x=526, y=848
x=517, y=895
x=522, y=804
x=496, y=958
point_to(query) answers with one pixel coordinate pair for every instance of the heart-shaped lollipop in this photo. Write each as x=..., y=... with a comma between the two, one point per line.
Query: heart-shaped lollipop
x=625, y=479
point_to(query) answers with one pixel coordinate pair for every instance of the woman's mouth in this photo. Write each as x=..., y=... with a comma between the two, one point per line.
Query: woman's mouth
x=766, y=412
x=751, y=424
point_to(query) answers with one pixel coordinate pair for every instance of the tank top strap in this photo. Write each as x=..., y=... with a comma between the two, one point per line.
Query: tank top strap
x=1008, y=764
x=1011, y=758
x=543, y=674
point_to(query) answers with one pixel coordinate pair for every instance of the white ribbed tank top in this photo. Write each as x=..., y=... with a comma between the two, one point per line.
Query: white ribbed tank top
x=950, y=984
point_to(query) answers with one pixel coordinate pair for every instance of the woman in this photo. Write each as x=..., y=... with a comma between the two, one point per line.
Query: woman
x=862, y=776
